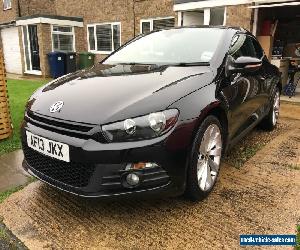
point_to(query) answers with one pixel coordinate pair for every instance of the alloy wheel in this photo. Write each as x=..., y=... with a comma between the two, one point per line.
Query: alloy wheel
x=210, y=152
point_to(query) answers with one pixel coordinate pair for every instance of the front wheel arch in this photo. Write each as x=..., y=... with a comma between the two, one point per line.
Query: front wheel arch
x=219, y=112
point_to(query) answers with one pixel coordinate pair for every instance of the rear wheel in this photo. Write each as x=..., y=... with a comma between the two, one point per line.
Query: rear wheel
x=205, y=159
x=270, y=121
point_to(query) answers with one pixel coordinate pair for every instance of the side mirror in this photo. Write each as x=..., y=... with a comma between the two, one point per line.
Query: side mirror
x=243, y=64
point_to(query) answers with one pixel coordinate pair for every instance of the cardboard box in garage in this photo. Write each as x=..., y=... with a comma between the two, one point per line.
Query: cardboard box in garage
x=267, y=44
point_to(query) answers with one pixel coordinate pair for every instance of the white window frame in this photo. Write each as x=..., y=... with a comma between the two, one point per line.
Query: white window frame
x=150, y=20
x=7, y=7
x=206, y=16
x=63, y=33
x=193, y=5
x=94, y=25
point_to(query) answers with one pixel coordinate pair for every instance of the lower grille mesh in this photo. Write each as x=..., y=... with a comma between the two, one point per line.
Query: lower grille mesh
x=70, y=173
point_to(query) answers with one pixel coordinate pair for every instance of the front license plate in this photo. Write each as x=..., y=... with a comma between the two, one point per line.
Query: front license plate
x=47, y=147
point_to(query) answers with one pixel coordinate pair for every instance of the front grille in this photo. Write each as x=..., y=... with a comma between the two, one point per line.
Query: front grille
x=70, y=173
x=60, y=123
x=78, y=130
x=73, y=129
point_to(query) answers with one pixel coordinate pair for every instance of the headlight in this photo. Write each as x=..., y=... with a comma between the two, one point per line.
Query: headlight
x=141, y=128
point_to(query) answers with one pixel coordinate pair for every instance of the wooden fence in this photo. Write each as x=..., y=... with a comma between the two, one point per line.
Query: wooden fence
x=5, y=120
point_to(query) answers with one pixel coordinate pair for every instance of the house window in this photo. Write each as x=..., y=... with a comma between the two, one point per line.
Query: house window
x=217, y=16
x=207, y=16
x=104, y=38
x=146, y=27
x=63, y=38
x=6, y=4
x=157, y=24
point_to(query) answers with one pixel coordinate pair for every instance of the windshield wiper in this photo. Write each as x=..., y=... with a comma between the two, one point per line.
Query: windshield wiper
x=135, y=63
x=183, y=64
x=180, y=64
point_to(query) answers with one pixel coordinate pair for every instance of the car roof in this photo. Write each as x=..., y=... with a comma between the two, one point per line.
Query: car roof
x=234, y=29
x=240, y=29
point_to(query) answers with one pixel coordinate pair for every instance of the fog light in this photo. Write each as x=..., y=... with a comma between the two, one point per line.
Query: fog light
x=133, y=179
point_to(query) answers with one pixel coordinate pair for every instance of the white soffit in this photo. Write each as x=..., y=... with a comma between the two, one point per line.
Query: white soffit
x=208, y=4
x=46, y=20
x=218, y=3
x=277, y=4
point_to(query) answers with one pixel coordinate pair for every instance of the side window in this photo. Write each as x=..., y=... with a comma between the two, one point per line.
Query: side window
x=258, y=49
x=242, y=45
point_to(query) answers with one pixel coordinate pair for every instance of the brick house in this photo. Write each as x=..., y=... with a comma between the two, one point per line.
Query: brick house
x=38, y=27
x=32, y=29
x=11, y=35
x=26, y=34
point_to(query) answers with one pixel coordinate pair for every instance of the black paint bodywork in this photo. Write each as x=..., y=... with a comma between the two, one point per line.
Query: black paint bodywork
x=109, y=93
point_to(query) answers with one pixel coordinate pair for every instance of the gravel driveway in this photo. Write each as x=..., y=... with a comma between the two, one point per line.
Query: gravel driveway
x=260, y=197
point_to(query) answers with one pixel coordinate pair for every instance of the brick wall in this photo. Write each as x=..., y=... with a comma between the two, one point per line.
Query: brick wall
x=239, y=15
x=80, y=39
x=153, y=8
x=27, y=8
x=34, y=7
x=96, y=11
x=8, y=15
x=45, y=44
x=101, y=11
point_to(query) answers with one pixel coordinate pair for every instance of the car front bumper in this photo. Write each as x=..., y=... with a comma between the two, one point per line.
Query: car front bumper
x=99, y=170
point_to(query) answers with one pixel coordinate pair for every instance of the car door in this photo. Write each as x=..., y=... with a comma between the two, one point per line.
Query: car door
x=242, y=91
x=269, y=80
x=264, y=77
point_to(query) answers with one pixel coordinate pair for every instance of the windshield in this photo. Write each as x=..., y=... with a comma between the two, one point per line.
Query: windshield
x=174, y=46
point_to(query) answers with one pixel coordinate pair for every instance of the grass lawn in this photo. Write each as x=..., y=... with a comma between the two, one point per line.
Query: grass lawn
x=19, y=91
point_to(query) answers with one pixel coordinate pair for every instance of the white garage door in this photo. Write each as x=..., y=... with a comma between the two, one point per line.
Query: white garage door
x=11, y=50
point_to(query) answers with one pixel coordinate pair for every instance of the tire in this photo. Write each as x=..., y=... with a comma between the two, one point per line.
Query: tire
x=205, y=159
x=270, y=121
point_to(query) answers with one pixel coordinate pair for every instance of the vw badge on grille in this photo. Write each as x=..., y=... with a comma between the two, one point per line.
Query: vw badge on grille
x=56, y=107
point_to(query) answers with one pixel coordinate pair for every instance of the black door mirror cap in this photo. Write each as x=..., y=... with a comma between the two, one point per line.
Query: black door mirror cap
x=247, y=62
x=242, y=64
